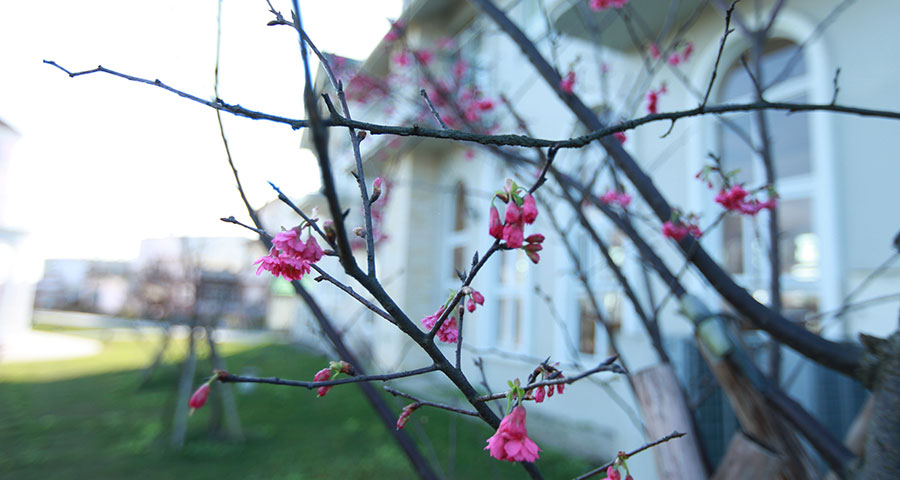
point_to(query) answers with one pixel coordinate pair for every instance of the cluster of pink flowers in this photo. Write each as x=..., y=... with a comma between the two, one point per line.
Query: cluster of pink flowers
x=290, y=257
x=598, y=5
x=321, y=376
x=475, y=298
x=333, y=370
x=678, y=230
x=735, y=199
x=676, y=58
x=519, y=211
x=653, y=98
x=449, y=331
x=511, y=442
x=616, y=197
x=546, y=371
x=567, y=84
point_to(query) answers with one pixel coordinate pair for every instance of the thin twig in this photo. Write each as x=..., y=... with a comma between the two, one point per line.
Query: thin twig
x=425, y=403
x=226, y=377
x=437, y=116
x=607, y=365
x=636, y=451
x=507, y=140
x=728, y=30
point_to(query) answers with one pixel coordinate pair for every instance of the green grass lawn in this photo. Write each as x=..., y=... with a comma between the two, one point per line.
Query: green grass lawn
x=86, y=418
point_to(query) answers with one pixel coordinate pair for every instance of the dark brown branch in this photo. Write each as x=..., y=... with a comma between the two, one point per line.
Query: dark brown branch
x=509, y=140
x=226, y=377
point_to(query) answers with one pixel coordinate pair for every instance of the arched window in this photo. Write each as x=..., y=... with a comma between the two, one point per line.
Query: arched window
x=745, y=240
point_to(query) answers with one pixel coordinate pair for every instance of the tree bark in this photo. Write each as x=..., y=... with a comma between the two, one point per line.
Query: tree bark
x=662, y=403
x=748, y=460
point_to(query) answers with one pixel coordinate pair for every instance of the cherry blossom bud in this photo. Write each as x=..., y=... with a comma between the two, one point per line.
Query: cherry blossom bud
x=613, y=474
x=495, y=227
x=533, y=256
x=470, y=306
x=321, y=376
x=513, y=213
x=376, y=190
x=330, y=234
x=198, y=399
x=533, y=247
x=477, y=297
x=535, y=238
x=359, y=232
x=404, y=415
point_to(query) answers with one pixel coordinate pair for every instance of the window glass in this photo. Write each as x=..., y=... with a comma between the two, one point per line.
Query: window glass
x=798, y=244
x=789, y=133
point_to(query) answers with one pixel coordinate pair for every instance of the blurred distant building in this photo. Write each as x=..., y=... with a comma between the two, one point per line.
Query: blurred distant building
x=16, y=289
x=208, y=279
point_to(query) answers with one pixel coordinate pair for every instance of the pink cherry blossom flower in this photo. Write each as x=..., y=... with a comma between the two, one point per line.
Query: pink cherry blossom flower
x=653, y=98
x=674, y=59
x=567, y=84
x=513, y=213
x=321, y=376
x=529, y=209
x=460, y=67
x=688, y=50
x=560, y=386
x=395, y=31
x=401, y=59
x=448, y=333
x=616, y=197
x=539, y=394
x=511, y=442
x=735, y=199
x=513, y=234
x=289, y=242
x=679, y=231
x=424, y=56
x=312, y=253
x=198, y=399
x=470, y=306
x=620, y=136
x=598, y=5
x=287, y=267
x=654, y=51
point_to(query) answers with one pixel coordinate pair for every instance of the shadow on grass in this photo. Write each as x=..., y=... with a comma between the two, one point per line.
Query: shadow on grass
x=101, y=426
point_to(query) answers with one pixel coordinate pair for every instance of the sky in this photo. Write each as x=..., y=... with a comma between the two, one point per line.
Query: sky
x=103, y=163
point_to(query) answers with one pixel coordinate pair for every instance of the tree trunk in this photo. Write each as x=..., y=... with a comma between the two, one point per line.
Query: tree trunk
x=185, y=385
x=748, y=460
x=882, y=460
x=225, y=392
x=662, y=403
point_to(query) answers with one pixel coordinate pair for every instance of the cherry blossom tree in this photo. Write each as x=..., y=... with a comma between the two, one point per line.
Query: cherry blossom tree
x=434, y=79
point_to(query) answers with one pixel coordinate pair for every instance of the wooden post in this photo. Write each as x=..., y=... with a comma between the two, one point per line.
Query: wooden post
x=664, y=410
x=748, y=460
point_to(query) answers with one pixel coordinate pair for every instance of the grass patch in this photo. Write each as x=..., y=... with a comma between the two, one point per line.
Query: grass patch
x=86, y=418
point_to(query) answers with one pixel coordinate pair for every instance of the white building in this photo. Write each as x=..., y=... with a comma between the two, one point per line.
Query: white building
x=836, y=176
